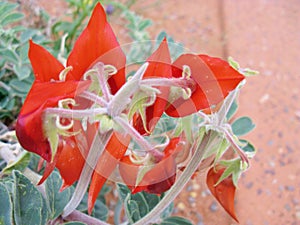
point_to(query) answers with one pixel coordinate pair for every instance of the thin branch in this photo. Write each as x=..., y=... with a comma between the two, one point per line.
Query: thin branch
x=192, y=166
x=98, y=146
x=82, y=217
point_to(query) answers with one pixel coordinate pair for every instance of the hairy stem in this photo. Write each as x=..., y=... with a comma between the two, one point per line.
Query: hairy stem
x=182, y=180
x=76, y=113
x=122, y=98
x=139, y=139
x=102, y=81
x=98, y=146
x=79, y=216
x=169, y=82
x=94, y=98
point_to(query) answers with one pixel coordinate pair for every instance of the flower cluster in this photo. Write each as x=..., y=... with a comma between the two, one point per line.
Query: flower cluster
x=87, y=119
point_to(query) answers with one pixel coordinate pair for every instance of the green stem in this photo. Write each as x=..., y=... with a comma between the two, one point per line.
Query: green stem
x=183, y=179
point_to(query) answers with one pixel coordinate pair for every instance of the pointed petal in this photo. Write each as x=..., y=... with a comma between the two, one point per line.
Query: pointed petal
x=50, y=166
x=128, y=171
x=214, y=79
x=97, y=43
x=70, y=163
x=29, y=127
x=159, y=66
x=224, y=192
x=45, y=66
x=115, y=150
x=162, y=177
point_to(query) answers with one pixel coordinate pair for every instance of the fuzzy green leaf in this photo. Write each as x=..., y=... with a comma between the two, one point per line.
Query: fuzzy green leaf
x=11, y=18
x=22, y=72
x=29, y=205
x=144, y=24
x=242, y=126
x=140, y=204
x=20, y=164
x=57, y=200
x=6, y=206
x=100, y=211
x=175, y=220
x=232, y=110
x=123, y=191
x=5, y=9
x=132, y=211
x=9, y=55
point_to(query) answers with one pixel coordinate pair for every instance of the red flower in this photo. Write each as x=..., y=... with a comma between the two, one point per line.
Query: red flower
x=158, y=179
x=96, y=43
x=159, y=66
x=224, y=192
x=212, y=80
x=46, y=91
x=114, y=151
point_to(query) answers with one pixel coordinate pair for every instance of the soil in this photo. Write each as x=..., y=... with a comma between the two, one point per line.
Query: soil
x=262, y=35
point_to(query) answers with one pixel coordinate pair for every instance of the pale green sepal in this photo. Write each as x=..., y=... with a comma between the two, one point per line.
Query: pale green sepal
x=51, y=132
x=233, y=168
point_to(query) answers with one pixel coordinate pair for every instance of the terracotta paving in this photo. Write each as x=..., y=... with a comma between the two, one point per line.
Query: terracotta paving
x=263, y=35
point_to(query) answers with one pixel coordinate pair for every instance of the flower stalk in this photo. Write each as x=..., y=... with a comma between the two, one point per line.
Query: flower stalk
x=209, y=140
x=97, y=148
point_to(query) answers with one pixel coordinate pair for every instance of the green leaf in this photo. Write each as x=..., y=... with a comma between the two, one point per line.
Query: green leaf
x=161, y=36
x=175, y=220
x=100, y=211
x=144, y=24
x=139, y=205
x=232, y=110
x=57, y=200
x=28, y=34
x=20, y=164
x=5, y=9
x=6, y=206
x=248, y=148
x=11, y=18
x=29, y=205
x=132, y=211
x=22, y=72
x=9, y=55
x=242, y=126
x=123, y=191
x=19, y=86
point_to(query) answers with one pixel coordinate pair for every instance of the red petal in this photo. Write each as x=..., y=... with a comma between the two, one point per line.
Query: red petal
x=50, y=166
x=45, y=66
x=159, y=66
x=162, y=176
x=214, y=79
x=115, y=150
x=70, y=162
x=128, y=171
x=224, y=192
x=97, y=43
x=29, y=127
